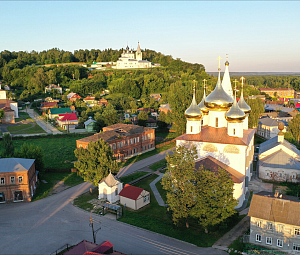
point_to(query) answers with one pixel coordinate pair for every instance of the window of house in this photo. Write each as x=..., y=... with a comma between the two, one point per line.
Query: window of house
x=234, y=131
x=217, y=122
x=137, y=139
x=270, y=226
x=258, y=224
x=12, y=180
x=118, y=145
x=20, y=179
x=2, y=181
x=191, y=129
x=116, y=191
x=2, y=197
x=258, y=238
x=18, y=195
x=269, y=240
x=201, y=122
x=146, y=198
x=296, y=247
x=148, y=136
x=297, y=231
x=114, y=146
x=134, y=140
x=279, y=243
x=280, y=228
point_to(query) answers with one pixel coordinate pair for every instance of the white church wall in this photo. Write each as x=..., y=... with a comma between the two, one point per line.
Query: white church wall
x=238, y=193
x=212, y=115
x=279, y=174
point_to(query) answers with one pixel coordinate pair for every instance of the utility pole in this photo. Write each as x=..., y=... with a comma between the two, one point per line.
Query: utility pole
x=92, y=225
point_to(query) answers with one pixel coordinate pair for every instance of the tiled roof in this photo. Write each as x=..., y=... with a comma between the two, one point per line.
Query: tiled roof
x=70, y=95
x=60, y=110
x=15, y=164
x=280, y=210
x=131, y=192
x=5, y=103
x=213, y=165
x=269, y=122
x=81, y=248
x=218, y=135
x=48, y=104
x=104, y=247
x=89, y=98
x=67, y=116
x=110, y=180
x=280, y=159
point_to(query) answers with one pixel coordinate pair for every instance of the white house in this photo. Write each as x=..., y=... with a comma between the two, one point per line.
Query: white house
x=268, y=128
x=134, y=197
x=279, y=160
x=109, y=188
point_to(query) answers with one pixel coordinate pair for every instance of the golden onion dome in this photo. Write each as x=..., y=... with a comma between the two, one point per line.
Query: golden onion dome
x=218, y=100
x=243, y=105
x=202, y=106
x=235, y=114
x=193, y=112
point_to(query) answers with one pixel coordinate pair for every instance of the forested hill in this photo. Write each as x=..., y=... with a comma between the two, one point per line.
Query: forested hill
x=55, y=56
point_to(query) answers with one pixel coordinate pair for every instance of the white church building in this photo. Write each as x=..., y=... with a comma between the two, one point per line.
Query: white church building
x=218, y=128
x=129, y=59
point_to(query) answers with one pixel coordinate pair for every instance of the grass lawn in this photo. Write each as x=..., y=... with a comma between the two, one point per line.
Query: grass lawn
x=43, y=189
x=26, y=129
x=58, y=151
x=148, y=154
x=131, y=177
x=160, y=164
x=82, y=201
x=25, y=116
x=258, y=140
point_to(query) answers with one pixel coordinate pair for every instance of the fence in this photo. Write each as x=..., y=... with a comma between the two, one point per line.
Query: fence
x=165, y=143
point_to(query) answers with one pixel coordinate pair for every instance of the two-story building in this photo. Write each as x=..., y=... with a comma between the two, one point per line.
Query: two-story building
x=289, y=93
x=275, y=221
x=18, y=179
x=126, y=140
x=268, y=127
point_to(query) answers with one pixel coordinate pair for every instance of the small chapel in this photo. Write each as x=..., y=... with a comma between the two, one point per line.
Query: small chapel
x=218, y=128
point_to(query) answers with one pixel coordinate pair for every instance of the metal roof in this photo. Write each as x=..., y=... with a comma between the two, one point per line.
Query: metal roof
x=280, y=159
x=15, y=164
x=273, y=142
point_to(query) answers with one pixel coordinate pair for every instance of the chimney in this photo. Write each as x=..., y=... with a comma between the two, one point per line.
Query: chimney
x=280, y=136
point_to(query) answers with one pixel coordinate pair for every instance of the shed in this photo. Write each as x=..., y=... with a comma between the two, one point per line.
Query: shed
x=89, y=124
x=109, y=188
x=134, y=197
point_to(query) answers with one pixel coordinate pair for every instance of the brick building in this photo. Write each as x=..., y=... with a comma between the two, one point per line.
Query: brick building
x=125, y=140
x=290, y=93
x=18, y=179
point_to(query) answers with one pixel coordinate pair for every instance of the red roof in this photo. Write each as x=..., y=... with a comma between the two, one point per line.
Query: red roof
x=67, y=116
x=90, y=253
x=104, y=247
x=48, y=104
x=298, y=105
x=131, y=192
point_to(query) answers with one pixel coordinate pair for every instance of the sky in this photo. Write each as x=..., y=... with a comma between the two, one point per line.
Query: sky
x=258, y=36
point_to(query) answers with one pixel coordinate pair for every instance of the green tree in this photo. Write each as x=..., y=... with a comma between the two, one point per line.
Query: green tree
x=1, y=114
x=96, y=161
x=294, y=125
x=257, y=108
x=142, y=118
x=179, y=183
x=9, y=148
x=214, y=197
x=32, y=151
x=109, y=115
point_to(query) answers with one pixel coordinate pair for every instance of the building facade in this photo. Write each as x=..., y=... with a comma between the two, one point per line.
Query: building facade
x=18, y=179
x=268, y=127
x=126, y=140
x=286, y=93
x=274, y=222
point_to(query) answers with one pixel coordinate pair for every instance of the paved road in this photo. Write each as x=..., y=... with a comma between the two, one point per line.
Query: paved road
x=42, y=123
x=43, y=226
x=133, y=167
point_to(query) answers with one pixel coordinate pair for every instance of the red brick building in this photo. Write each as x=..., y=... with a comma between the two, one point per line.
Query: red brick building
x=125, y=140
x=18, y=179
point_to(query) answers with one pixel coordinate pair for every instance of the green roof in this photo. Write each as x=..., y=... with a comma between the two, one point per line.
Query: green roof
x=60, y=110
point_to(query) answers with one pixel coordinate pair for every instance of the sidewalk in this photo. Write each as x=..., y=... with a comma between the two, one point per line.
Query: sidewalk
x=159, y=200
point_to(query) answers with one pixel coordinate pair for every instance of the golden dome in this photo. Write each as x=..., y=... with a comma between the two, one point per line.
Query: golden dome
x=218, y=100
x=235, y=114
x=193, y=112
x=242, y=103
x=202, y=106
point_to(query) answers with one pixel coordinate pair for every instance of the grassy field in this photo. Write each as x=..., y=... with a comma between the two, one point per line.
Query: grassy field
x=43, y=189
x=82, y=201
x=148, y=154
x=160, y=164
x=58, y=151
x=30, y=128
x=131, y=177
